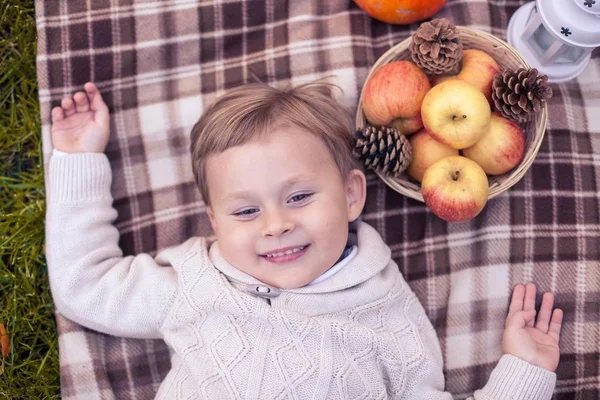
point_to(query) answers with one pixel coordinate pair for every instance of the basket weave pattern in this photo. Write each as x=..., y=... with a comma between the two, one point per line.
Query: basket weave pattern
x=506, y=57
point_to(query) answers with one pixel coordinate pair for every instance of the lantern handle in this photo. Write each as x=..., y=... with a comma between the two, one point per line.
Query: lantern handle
x=530, y=27
x=533, y=9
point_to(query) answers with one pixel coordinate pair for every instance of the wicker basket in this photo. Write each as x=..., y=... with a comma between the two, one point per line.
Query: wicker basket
x=506, y=57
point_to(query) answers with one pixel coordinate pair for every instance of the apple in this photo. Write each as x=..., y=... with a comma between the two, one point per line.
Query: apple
x=408, y=126
x=437, y=79
x=393, y=96
x=500, y=149
x=426, y=151
x=478, y=68
x=456, y=113
x=455, y=188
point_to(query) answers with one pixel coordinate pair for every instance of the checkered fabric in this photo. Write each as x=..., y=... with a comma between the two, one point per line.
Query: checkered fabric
x=159, y=64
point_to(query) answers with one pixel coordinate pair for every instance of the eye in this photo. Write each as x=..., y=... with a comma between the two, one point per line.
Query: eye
x=297, y=198
x=248, y=212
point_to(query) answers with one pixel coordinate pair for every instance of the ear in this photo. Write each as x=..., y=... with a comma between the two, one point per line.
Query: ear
x=356, y=193
x=211, y=217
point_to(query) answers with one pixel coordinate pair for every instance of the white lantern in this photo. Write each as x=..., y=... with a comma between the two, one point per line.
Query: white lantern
x=556, y=36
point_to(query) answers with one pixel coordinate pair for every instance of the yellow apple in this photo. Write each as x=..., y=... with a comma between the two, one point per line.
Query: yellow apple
x=455, y=113
x=393, y=96
x=455, y=188
x=500, y=149
x=426, y=151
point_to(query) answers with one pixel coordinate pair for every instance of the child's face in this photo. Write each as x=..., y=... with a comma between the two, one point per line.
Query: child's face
x=280, y=207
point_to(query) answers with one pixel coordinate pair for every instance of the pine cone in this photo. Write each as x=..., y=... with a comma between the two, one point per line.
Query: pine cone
x=518, y=94
x=436, y=48
x=383, y=149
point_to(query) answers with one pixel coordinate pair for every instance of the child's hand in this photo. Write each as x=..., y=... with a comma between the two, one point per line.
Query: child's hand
x=533, y=341
x=81, y=124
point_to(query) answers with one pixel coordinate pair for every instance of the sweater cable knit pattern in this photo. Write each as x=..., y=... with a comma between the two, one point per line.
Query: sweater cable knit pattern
x=359, y=334
x=360, y=352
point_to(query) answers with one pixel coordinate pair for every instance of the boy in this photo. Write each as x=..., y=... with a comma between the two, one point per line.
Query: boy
x=295, y=298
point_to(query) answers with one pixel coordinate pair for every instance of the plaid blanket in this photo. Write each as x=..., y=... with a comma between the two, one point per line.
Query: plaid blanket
x=159, y=64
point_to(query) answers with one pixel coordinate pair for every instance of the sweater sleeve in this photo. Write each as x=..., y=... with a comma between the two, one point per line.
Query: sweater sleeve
x=91, y=282
x=512, y=378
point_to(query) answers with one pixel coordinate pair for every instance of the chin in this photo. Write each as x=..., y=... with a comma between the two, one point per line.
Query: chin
x=293, y=282
x=291, y=285
x=291, y=278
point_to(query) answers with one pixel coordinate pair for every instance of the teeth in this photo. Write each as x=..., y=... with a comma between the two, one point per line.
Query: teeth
x=286, y=253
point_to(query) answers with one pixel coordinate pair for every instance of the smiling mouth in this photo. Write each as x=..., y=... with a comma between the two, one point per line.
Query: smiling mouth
x=285, y=255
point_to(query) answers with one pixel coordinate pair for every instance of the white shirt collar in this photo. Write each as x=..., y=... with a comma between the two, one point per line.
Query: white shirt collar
x=337, y=267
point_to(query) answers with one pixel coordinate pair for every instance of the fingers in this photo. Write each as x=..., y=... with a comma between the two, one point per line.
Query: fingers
x=556, y=324
x=68, y=106
x=522, y=312
x=96, y=102
x=97, y=105
x=520, y=319
x=516, y=303
x=79, y=103
x=91, y=99
x=529, y=302
x=543, y=319
x=57, y=114
x=82, y=103
x=91, y=89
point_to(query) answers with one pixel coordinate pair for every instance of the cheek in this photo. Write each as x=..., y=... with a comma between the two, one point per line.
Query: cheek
x=235, y=240
x=330, y=222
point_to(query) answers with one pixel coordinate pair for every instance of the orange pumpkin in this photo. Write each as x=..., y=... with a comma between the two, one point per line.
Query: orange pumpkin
x=401, y=12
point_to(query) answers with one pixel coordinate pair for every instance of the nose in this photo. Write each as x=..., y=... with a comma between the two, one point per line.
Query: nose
x=277, y=223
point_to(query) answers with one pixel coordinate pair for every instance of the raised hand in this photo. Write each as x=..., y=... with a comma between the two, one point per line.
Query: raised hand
x=81, y=123
x=533, y=340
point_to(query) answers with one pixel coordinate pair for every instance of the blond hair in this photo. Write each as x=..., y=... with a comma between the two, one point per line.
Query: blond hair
x=247, y=112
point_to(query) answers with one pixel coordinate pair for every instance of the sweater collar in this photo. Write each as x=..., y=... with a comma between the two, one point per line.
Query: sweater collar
x=372, y=257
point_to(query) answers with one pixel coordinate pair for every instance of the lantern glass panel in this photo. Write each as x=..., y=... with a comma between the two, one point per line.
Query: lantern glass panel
x=571, y=55
x=541, y=40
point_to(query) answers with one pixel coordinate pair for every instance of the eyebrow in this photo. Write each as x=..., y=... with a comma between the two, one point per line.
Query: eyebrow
x=243, y=194
x=237, y=195
x=296, y=179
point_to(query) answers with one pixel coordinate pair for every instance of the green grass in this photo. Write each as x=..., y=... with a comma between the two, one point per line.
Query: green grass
x=31, y=369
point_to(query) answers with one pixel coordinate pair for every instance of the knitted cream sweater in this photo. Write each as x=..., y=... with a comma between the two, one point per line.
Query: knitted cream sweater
x=360, y=333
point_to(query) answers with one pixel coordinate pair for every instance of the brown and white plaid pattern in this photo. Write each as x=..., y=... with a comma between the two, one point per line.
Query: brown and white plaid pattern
x=159, y=64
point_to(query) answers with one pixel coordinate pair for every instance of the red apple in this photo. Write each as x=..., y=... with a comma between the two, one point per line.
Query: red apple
x=500, y=149
x=426, y=151
x=393, y=96
x=437, y=79
x=408, y=126
x=478, y=68
x=455, y=188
